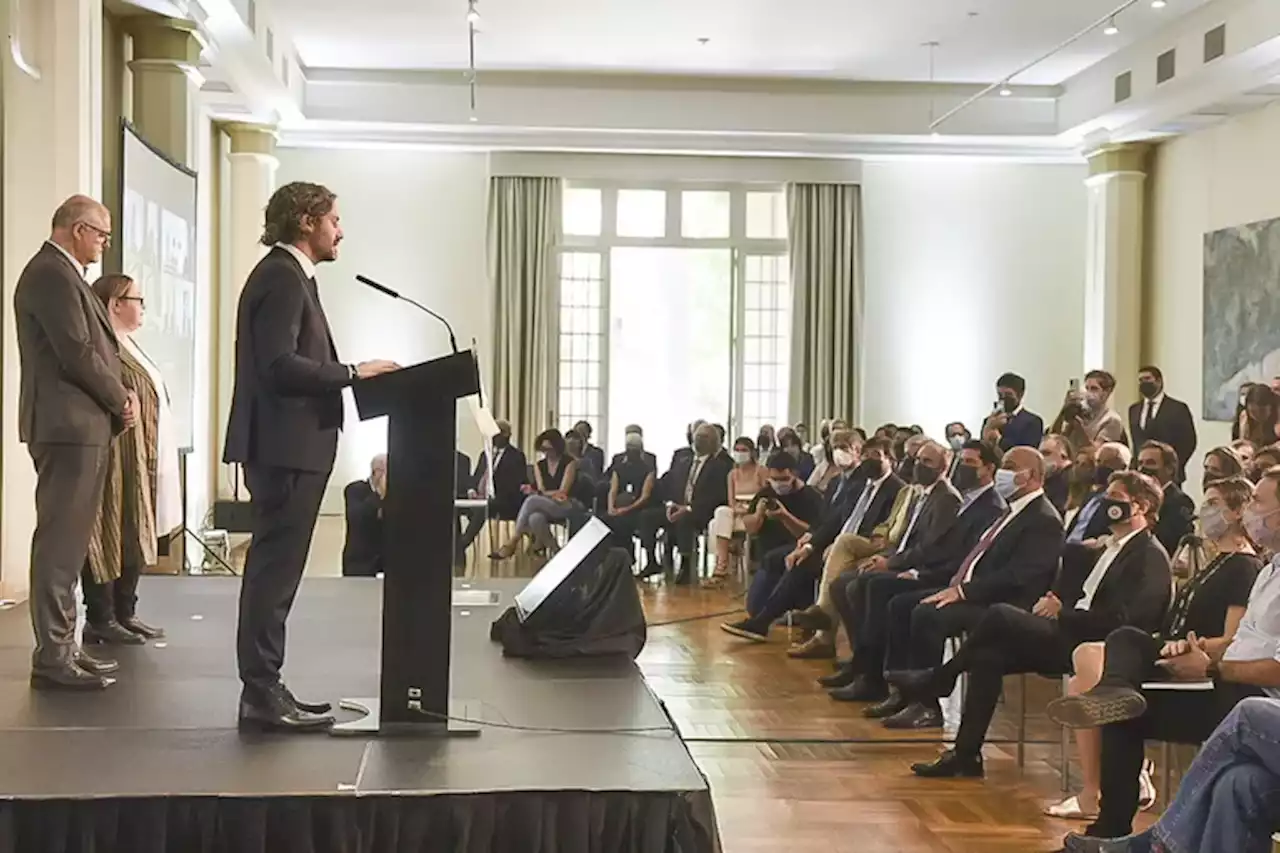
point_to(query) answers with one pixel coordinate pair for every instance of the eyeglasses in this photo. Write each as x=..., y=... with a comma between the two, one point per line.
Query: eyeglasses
x=142, y=302
x=105, y=235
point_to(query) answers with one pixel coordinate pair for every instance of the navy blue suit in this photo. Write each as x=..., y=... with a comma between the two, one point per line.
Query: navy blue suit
x=1025, y=429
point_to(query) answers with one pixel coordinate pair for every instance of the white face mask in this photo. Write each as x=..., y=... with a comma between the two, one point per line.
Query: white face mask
x=844, y=458
x=956, y=442
x=741, y=457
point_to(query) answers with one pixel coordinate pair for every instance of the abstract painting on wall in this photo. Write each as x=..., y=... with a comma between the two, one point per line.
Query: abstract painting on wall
x=1241, y=313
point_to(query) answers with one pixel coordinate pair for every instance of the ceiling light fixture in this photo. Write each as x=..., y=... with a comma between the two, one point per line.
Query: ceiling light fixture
x=1005, y=91
x=1111, y=28
x=473, y=14
x=1159, y=4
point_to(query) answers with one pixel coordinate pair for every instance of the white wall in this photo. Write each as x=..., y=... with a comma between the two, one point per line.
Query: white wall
x=1223, y=176
x=414, y=220
x=983, y=265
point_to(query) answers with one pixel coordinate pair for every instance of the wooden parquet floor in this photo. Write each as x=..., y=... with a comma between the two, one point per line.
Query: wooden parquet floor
x=754, y=718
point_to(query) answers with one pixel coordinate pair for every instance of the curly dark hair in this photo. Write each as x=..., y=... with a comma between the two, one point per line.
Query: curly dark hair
x=289, y=205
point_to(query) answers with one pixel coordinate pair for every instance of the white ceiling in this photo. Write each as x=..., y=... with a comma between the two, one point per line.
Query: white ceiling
x=847, y=39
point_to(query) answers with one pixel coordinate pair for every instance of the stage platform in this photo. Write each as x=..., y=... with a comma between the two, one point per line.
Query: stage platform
x=155, y=763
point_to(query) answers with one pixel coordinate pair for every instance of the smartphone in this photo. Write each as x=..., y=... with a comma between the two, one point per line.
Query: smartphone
x=1075, y=385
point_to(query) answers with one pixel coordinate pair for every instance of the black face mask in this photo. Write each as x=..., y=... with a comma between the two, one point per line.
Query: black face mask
x=1150, y=472
x=965, y=478
x=926, y=475
x=1115, y=510
x=906, y=468
x=500, y=441
x=1148, y=389
x=1102, y=474
x=635, y=452
x=872, y=469
x=1009, y=403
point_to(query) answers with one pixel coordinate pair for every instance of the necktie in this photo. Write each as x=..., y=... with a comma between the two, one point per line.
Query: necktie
x=693, y=478
x=917, y=507
x=1150, y=414
x=978, y=550
x=859, y=509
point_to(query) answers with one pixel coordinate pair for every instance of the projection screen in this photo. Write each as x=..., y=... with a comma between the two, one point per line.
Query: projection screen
x=158, y=234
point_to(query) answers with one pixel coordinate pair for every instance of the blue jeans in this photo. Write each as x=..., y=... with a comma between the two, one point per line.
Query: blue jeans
x=1230, y=798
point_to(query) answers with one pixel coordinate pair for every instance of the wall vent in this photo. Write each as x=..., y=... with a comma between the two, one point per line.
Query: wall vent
x=1124, y=86
x=1166, y=66
x=1215, y=43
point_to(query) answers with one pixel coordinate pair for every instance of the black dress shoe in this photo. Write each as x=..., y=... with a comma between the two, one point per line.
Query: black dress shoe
x=95, y=665
x=652, y=570
x=1101, y=706
x=1077, y=843
x=309, y=707
x=68, y=677
x=916, y=716
x=921, y=685
x=811, y=619
x=861, y=689
x=950, y=765
x=111, y=634
x=842, y=677
x=887, y=708
x=142, y=629
x=280, y=717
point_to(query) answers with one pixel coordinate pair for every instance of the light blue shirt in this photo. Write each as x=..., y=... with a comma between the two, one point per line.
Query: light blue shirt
x=1258, y=637
x=1085, y=516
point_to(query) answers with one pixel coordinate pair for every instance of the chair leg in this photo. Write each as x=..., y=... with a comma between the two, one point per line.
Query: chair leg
x=1022, y=723
x=1066, y=747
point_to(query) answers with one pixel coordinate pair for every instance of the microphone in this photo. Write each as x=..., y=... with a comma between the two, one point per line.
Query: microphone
x=382, y=288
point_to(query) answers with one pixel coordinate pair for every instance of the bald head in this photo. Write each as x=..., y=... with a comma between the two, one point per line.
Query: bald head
x=82, y=227
x=78, y=208
x=1028, y=464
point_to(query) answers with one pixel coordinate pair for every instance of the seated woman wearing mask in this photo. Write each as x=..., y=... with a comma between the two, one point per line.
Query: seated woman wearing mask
x=631, y=482
x=766, y=441
x=824, y=470
x=790, y=442
x=1209, y=605
x=746, y=479
x=1221, y=463
x=548, y=499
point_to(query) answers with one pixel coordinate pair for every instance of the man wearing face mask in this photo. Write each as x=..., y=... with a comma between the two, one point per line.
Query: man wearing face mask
x=1248, y=666
x=1128, y=584
x=957, y=435
x=910, y=452
x=1011, y=425
x=1158, y=417
x=503, y=489
x=694, y=488
x=1087, y=416
x=1057, y=454
x=1087, y=528
x=876, y=488
x=1159, y=461
x=630, y=492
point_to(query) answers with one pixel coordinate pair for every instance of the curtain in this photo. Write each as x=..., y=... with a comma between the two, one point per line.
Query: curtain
x=524, y=219
x=824, y=228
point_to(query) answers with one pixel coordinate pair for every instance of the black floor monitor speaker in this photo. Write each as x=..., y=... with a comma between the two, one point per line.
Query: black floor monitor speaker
x=583, y=603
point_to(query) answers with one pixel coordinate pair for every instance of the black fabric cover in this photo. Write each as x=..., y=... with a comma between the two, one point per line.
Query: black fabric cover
x=596, y=611
x=517, y=822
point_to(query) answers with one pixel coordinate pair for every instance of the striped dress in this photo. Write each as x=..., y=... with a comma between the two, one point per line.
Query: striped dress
x=126, y=528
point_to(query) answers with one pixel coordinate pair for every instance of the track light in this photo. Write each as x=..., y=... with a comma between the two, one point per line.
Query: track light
x=1159, y=4
x=1111, y=29
x=1005, y=91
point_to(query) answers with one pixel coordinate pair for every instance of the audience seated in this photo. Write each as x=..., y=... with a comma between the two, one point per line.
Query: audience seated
x=1128, y=584
x=649, y=459
x=920, y=517
x=631, y=491
x=1087, y=416
x=824, y=470
x=692, y=489
x=1220, y=464
x=957, y=436
x=548, y=500
x=1264, y=459
x=1259, y=421
x=1158, y=417
x=362, y=549
x=746, y=479
x=910, y=448
x=789, y=441
x=782, y=511
x=1057, y=454
x=1244, y=449
x=1159, y=461
x=766, y=441
x=1086, y=528
x=503, y=490
x=1012, y=425
x=787, y=575
x=589, y=451
x=1248, y=665
x=1210, y=604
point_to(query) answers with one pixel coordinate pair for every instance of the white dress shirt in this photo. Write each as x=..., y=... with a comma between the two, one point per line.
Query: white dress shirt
x=915, y=514
x=1153, y=406
x=1258, y=637
x=79, y=266
x=854, y=521
x=308, y=265
x=1099, y=572
x=1015, y=509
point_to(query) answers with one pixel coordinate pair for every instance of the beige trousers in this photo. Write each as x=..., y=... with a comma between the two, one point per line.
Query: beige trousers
x=845, y=553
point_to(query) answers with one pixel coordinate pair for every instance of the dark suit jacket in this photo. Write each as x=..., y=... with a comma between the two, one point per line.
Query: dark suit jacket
x=878, y=510
x=618, y=458
x=1098, y=524
x=938, y=514
x=1173, y=425
x=711, y=489
x=1177, y=512
x=512, y=473
x=362, y=550
x=286, y=409
x=1022, y=561
x=1057, y=488
x=461, y=474
x=938, y=563
x=596, y=455
x=1135, y=591
x=70, y=390
x=1024, y=429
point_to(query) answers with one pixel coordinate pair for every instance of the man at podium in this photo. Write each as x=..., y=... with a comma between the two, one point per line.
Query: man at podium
x=286, y=412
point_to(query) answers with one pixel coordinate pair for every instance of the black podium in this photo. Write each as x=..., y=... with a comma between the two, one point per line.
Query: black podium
x=420, y=403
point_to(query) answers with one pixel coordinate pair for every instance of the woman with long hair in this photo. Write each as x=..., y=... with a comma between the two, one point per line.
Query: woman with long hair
x=550, y=498
x=1259, y=422
x=746, y=479
x=142, y=500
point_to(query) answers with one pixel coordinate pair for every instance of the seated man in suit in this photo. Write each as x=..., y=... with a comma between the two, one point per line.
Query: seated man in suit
x=1088, y=527
x=1158, y=417
x=864, y=600
x=1128, y=584
x=920, y=517
x=630, y=492
x=589, y=450
x=1159, y=461
x=362, y=550
x=694, y=488
x=1058, y=455
x=1012, y=425
x=503, y=490
x=787, y=575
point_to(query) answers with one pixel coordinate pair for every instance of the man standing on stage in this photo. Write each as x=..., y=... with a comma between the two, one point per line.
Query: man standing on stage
x=286, y=412
x=71, y=403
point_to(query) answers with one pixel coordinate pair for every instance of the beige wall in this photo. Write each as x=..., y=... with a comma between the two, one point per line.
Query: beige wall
x=1223, y=176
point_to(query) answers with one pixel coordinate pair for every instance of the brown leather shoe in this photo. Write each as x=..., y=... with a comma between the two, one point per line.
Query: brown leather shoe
x=815, y=648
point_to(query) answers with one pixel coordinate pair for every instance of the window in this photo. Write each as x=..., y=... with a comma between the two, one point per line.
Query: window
x=766, y=341
x=582, y=208
x=581, y=286
x=704, y=214
x=642, y=213
x=766, y=216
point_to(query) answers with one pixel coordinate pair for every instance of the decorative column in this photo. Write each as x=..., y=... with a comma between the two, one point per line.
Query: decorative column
x=253, y=165
x=165, y=79
x=1113, y=274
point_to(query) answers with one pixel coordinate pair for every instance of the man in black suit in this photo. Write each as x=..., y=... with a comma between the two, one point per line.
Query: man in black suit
x=286, y=411
x=71, y=404
x=503, y=490
x=694, y=487
x=362, y=499
x=1011, y=425
x=786, y=572
x=589, y=450
x=650, y=459
x=1128, y=584
x=1161, y=418
x=1159, y=461
x=1058, y=461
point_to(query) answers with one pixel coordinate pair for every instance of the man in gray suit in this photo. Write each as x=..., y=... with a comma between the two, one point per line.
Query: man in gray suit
x=71, y=405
